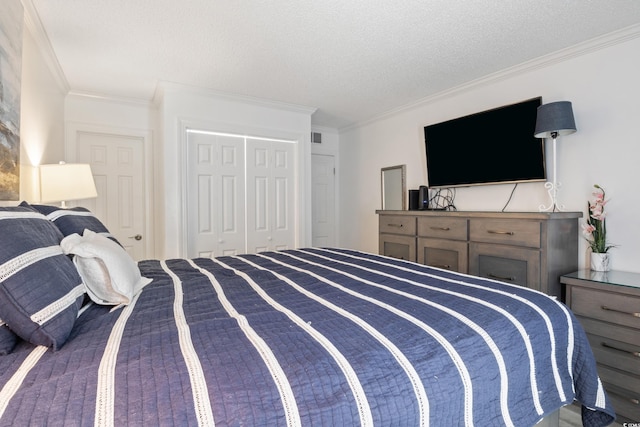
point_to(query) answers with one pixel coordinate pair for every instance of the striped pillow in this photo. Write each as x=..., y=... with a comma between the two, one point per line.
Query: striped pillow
x=72, y=220
x=40, y=289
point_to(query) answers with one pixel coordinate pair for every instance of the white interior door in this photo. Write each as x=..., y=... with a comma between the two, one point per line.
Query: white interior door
x=215, y=195
x=270, y=195
x=118, y=167
x=323, y=200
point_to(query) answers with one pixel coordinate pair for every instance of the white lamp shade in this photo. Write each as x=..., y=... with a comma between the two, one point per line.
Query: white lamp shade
x=66, y=181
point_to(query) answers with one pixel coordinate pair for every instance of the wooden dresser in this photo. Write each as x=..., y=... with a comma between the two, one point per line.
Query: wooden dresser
x=608, y=307
x=531, y=249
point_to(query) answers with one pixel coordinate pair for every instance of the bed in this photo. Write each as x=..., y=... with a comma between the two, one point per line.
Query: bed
x=313, y=336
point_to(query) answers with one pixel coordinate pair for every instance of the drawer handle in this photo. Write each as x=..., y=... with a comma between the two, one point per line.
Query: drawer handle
x=509, y=233
x=440, y=228
x=612, y=347
x=445, y=266
x=494, y=276
x=396, y=225
x=632, y=400
x=631, y=313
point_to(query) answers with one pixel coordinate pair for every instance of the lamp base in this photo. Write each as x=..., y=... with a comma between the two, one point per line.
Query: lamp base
x=552, y=189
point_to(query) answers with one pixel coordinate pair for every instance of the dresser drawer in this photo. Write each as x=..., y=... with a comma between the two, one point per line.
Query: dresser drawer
x=397, y=246
x=520, y=266
x=616, y=332
x=623, y=380
x=621, y=355
x=448, y=254
x=505, y=231
x=397, y=224
x=607, y=306
x=443, y=228
x=626, y=407
x=623, y=391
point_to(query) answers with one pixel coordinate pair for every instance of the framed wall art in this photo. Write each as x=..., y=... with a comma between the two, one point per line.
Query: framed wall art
x=11, y=22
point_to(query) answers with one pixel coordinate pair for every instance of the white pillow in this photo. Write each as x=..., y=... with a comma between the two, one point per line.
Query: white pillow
x=111, y=276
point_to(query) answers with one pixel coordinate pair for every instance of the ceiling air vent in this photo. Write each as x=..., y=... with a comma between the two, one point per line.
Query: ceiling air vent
x=316, y=137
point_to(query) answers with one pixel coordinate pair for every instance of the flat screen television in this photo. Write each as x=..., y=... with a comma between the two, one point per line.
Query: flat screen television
x=491, y=147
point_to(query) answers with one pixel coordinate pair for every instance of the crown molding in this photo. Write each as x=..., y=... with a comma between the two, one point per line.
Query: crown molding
x=94, y=96
x=323, y=129
x=584, y=48
x=35, y=28
x=164, y=87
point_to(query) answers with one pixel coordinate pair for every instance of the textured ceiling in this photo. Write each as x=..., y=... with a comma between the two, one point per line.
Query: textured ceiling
x=351, y=59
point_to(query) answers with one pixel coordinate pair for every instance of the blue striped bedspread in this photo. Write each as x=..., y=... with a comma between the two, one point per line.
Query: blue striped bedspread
x=309, y=337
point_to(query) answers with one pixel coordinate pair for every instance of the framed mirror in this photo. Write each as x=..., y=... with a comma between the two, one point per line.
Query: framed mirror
x=394, y=192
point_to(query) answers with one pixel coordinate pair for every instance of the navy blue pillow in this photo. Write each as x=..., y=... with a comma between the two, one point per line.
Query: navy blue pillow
x=40, y=289
x=72, y=220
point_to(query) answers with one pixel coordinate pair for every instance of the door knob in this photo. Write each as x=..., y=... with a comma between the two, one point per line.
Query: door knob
x=137, y=237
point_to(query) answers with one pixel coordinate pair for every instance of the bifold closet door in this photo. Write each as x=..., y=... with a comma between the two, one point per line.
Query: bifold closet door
x=240, y=195
x=271, y=191
x=215, y=195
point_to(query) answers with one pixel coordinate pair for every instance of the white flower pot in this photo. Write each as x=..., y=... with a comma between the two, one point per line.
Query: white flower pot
x=600, y=262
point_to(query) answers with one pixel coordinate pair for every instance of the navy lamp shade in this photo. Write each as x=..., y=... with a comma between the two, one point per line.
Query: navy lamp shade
x=554, y=119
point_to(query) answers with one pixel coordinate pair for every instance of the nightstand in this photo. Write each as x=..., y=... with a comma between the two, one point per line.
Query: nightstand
x=608, y=307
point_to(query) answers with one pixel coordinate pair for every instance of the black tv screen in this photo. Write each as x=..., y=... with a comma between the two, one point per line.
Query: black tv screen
x=491, y=147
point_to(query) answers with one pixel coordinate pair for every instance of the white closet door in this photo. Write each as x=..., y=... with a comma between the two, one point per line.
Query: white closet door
x=283, y=231
x=215, y=195
x=270, y=195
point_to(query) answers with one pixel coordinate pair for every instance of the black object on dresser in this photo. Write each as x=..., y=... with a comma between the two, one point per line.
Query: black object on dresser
x=608, y=307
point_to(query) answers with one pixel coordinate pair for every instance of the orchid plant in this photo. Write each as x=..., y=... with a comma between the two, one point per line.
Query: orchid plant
x=595, y=229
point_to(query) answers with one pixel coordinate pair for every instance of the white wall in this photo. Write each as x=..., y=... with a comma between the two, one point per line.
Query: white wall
x=180, y=107
x=41, y=116
x=110, y=112
x=600, y=78
x=330, y=141
x=121, y=117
